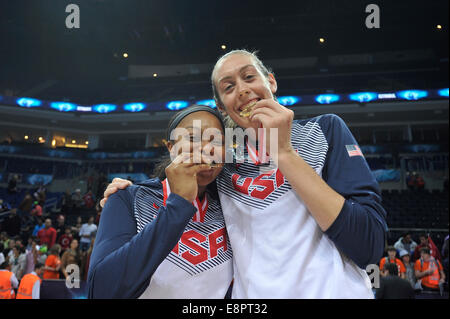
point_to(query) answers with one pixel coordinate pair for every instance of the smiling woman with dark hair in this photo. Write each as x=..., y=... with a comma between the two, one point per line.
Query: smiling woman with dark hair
x=166, y=237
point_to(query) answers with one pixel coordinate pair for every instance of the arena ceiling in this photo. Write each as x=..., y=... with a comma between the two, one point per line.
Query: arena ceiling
x=40, y=57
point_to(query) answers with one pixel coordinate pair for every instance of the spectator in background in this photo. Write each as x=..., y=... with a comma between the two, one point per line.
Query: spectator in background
x=60, y=226
x=19, y=241
x=29, y=243
x=31, y=255
x=415, y=182
x=90, y=181
x=8, y=282
x=40, y=195
x=27, y=228
x=30, y=285
x=12, y=223
x=426, y=242
x=10, y=243
x=429, y=271
x=87, y=258
x=406, y=243
x=2, y=257
x=53, y=263
x=410, y=180
x=47, y=235
x=36, y=209
x=409, y=266
x=86, y=233
x=445, y=256
x=71, y=256
x=38, y=227
x=98, y=209
x=18, y=261
x=66, y=204
x=102, y=184
x=76, y=229
x=77, y=199
x=392, y=286
x=26, y=205
x=66, y=239
x=4, y=239
x=12, y=184
x=88, y=199
x=4, y=206
x=42, y=254
x=391, y=258
x=419, y=182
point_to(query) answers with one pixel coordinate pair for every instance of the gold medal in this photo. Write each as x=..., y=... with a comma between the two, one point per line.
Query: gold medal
x=247, y=110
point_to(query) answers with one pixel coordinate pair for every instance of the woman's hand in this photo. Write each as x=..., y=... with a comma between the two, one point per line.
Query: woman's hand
x=116, y=184
x=182, y=176
x=274, y=116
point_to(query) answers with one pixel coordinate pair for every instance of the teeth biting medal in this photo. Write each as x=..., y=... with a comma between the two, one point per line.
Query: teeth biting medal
x=247, y=109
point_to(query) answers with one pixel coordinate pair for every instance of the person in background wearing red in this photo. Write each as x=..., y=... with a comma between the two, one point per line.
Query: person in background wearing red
x=66, y=239
x=36, y=209
x=88, y=199
x=427, y=242
x=420, y=182
x=47, y=235
x=53, y=263
x=391, y=258
x=429, y=270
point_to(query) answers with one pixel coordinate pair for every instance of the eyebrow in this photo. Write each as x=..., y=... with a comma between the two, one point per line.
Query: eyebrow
x=240, y=70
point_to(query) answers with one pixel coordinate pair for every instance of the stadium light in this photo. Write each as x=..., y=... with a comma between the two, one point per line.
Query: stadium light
x=443, y=92
x=28, y=102
x=327, y=98
x=177, y=105
x=210, y=103
x=134, y=107
x=104, y=108
x=412, y=95
x=363, y=96
x=63, y=106
x=288, y=100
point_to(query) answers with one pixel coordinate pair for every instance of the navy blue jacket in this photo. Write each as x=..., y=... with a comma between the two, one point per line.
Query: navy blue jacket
x=123, y=261
x=360, y=229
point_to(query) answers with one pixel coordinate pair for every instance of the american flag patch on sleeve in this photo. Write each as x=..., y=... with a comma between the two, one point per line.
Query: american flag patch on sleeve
x=353, y=150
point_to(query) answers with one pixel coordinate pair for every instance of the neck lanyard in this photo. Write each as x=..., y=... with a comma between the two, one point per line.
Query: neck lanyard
x=202, y=206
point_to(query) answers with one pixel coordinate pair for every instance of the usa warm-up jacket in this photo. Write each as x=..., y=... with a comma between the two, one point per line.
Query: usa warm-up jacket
x=279, y=249
x=152, y=243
